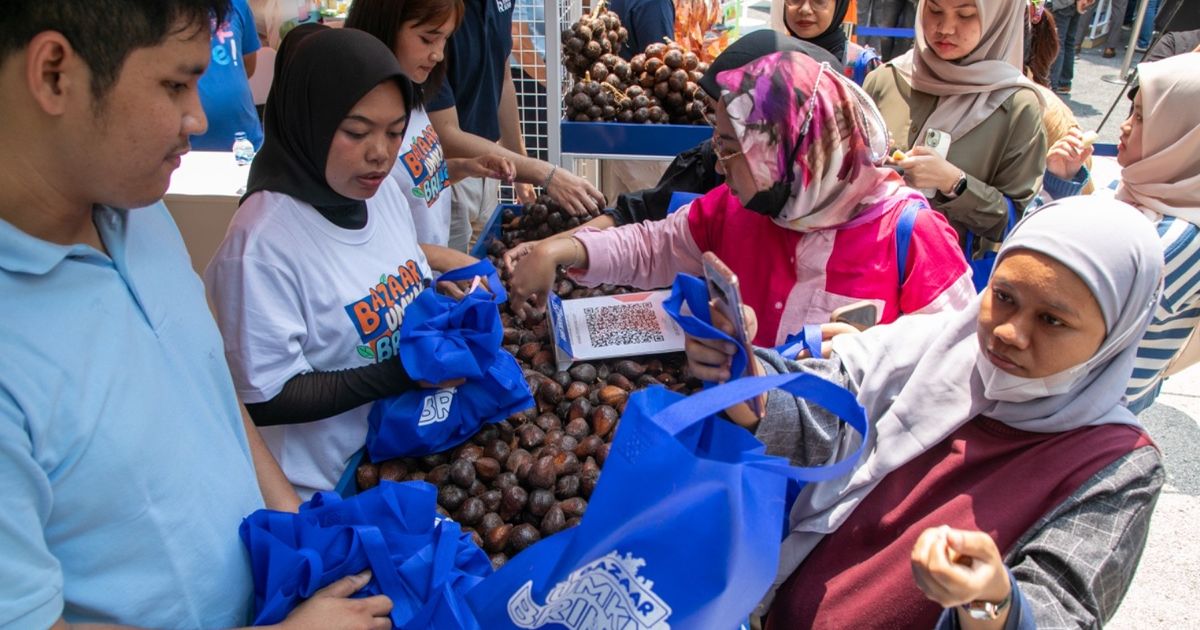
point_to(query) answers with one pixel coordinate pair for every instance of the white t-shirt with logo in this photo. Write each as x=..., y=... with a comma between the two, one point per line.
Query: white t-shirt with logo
x=295, y=293
x=423, y=176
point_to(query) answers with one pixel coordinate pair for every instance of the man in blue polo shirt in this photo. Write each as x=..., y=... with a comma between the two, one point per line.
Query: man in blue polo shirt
x=477, y=107
x=126, y=464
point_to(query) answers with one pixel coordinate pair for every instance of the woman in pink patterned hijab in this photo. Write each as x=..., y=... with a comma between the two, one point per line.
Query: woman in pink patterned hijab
x=833, y=174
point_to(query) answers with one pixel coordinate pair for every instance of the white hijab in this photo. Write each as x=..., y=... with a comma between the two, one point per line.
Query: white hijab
x=1167, y=178
x=973, y=87
x=917, y=377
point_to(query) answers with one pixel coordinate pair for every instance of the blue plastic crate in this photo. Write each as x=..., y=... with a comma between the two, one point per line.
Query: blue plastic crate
x=492, y=229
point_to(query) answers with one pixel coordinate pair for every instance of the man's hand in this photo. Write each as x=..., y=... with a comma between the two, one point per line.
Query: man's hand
x=955, y=567
x=332, y=609
x=574, y=193
x=924, y=168
x=1081, y=6
x=1066, y=157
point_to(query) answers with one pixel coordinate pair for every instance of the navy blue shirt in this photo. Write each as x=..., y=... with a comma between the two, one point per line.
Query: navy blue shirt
x=648, y=21
x=476, y=64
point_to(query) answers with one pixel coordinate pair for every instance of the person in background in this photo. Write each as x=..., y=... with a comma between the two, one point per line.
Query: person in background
x=126, y=464
x=310, y=338
x=648, y=22
x=887, y=14
x=1116, y=13
x=820, y=22
x=476, y=108
x=1041, y=43
x=1159, y=153
x=965, y=77
x=529, y=75
x=225, y=86
x=1174, y=43
x=1145, y=36
x=417, y=31
x=1003, y=484
x=1067, y=20
x=807, y=216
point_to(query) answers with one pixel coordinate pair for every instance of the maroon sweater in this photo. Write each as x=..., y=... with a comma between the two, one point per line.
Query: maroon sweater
x=985, y=476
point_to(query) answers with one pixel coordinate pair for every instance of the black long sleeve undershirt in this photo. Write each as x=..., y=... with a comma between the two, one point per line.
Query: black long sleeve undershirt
x=318, y=395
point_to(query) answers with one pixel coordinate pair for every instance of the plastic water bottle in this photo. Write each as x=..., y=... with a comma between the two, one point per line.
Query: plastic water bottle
x=243, y=149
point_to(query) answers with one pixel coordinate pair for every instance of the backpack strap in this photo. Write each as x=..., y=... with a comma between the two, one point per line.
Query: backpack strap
x=904, y=230
x=863, y=63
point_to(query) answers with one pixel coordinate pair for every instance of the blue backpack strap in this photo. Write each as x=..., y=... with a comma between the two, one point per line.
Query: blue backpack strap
x=904, y=230
x=863, y=63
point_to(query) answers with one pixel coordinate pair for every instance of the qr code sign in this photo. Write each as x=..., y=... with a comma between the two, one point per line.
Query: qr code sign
x=622, y=324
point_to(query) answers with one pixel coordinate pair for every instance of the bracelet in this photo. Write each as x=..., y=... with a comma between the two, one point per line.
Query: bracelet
x=578, y=252
x=549, y=176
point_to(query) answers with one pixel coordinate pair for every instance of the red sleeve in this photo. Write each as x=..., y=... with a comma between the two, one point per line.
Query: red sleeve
x=935, y=261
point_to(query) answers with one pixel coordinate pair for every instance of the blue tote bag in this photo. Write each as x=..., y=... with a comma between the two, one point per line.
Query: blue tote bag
x=981, y=266
x=420, y=560
x=443, y=339
x=683, y=529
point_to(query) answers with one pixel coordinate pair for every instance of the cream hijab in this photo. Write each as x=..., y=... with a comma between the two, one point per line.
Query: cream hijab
x=976, y=85
x=1167, y=178
x=917, y=377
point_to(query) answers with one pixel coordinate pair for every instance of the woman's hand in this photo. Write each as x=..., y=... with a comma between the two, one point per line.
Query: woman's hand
x=710, y=359
x=332, y=609
x=492, y=165
x=955, y=567
x=574, y=193
x=1066, y=157
x=924, y=168
x=533, y=272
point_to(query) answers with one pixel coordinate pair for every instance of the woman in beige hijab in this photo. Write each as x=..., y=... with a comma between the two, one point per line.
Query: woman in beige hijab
x=964, y=77
x=1160, y=153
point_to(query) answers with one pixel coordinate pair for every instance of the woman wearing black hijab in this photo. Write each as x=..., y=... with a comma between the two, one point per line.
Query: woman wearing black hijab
x=321, y=259
x=820, y=22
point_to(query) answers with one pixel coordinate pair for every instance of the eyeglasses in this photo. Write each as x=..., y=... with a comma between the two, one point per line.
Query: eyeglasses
x=814, y=4
x=722, y=156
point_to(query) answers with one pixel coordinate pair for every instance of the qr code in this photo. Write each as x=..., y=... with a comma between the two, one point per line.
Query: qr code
x=622, y=324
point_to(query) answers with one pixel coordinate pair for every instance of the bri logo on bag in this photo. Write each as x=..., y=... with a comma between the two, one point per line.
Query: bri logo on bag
x=605, y=594
x=436, y=407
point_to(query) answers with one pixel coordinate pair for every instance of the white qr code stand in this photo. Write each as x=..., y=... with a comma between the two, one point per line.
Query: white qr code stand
x=610, y=326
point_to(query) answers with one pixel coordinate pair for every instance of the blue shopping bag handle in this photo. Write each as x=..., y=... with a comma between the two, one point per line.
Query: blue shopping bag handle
x=483, y=268
x=696, y=408
x=809, y=338
x=692, y=291
x=445, y=549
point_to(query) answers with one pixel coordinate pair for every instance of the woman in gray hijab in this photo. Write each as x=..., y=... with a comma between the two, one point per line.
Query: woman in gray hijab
x=1003, y=472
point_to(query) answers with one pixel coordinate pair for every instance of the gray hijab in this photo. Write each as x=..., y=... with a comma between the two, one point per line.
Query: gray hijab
x=917, y=377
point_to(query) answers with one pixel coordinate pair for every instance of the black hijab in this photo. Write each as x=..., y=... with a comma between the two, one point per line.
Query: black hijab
x=320, y=74
x=833, y=38
x=753, y=45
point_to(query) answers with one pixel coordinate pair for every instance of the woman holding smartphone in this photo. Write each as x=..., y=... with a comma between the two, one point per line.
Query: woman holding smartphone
x=806, y=217
x=962, y=85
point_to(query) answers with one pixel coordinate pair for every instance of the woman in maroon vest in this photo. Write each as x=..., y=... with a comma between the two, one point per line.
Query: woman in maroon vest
x=1004, y=480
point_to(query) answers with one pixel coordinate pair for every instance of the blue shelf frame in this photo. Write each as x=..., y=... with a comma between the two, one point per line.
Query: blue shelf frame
x=603, y=139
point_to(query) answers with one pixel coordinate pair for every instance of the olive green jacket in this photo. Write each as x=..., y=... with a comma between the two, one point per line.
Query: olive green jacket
x=1004, y=156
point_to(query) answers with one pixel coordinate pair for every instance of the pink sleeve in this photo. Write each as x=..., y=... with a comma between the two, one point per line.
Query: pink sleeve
x=644, y=255
x=938, y=277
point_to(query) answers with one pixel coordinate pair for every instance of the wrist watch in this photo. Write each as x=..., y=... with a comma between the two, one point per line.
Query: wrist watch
x=959, y=187
x=985, y=611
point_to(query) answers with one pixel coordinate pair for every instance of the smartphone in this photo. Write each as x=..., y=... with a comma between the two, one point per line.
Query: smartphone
x=939, y=141
x=726, y=296
x=861, y=315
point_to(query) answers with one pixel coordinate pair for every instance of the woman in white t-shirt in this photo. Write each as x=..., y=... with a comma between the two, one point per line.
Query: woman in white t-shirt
x=321, y=259
x=417, y=31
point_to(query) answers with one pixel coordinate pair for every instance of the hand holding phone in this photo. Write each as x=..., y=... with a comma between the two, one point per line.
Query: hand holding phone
x=726, y=297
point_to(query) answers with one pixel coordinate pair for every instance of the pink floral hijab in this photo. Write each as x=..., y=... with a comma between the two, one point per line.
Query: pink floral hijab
x=834, y=171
